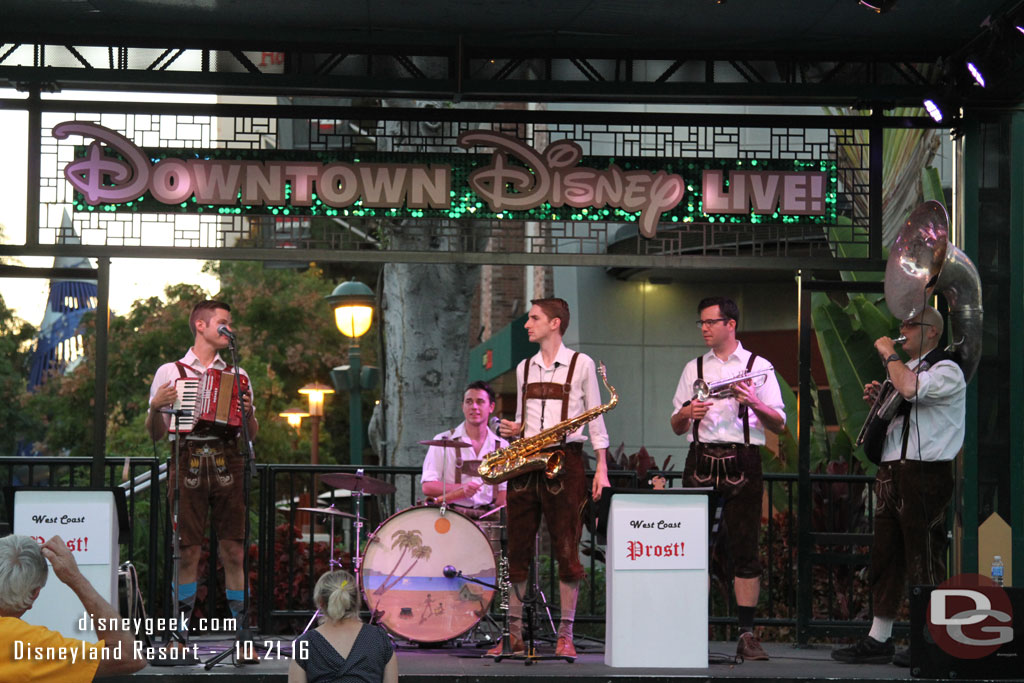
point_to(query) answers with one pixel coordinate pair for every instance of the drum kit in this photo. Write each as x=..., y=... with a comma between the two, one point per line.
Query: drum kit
x=428, y=573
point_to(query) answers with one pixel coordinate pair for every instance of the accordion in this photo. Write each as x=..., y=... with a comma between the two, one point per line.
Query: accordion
x=210, y=404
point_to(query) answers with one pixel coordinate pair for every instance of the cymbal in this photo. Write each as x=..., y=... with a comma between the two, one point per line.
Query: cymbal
x=330, y=511
x=446, y=443
x=358, y=482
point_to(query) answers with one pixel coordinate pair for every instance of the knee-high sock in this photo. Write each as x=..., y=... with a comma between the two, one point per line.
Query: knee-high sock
x=515, y=609
x=881, y=628
x=236, y=601
x=567, y=594
x=186, y=603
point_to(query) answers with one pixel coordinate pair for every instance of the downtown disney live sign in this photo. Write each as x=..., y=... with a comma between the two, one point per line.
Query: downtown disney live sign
x=514, y=182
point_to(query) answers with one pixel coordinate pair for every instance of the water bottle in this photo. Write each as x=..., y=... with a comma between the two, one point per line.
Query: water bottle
x=997, y=570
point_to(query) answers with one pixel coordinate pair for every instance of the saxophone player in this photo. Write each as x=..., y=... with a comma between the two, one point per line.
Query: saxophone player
x=725, y=437
x=914, y=482
x=554, y=385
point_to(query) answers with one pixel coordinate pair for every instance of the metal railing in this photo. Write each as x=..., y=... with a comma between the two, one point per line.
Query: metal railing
x=292, y=549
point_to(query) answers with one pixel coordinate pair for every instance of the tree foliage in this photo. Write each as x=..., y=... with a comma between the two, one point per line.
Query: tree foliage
x=286, y=338
x=16, y=421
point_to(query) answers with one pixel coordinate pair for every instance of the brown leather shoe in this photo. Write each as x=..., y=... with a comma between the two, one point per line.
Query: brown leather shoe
x=749, y=647
x=565, y=648
x=518, y=647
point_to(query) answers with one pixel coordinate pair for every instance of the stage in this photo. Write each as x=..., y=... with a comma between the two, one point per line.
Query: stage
x=466, y=665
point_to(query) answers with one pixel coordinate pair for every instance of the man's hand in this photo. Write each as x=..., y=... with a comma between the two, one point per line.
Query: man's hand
x=885, y=347
x=165, y=397
x=507, y=428
x=698, y=409
x=470, y=488
x=871, y=390
x=745, y=393
x=60, y=558
x=600, y=474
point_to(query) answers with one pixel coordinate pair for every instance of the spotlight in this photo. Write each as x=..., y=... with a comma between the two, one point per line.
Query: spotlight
x=973, y=66
x=877, y=6
x=1020, y=28
x=933, y=110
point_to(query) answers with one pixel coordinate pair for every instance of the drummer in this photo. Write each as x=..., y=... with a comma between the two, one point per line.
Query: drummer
x=449, y=472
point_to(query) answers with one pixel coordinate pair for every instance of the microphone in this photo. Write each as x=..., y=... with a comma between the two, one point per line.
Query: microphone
x=494, y=423
x=450, y=572
x=223, y=329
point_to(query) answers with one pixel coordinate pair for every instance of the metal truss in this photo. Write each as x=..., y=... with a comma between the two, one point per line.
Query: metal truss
x=476, y=74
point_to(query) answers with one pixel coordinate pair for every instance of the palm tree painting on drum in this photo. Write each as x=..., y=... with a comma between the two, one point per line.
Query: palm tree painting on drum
x=403, y=577
x=407, y=541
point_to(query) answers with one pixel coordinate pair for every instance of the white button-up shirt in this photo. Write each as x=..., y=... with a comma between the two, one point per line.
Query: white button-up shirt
x=168, y=374
x=723, y=423
x=936, y=416
x=584, y=394
x=439, y=465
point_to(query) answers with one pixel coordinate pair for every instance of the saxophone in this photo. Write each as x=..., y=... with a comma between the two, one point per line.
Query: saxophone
x=526, y=455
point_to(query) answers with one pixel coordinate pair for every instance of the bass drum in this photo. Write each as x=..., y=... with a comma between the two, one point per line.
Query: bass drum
x=403, y=580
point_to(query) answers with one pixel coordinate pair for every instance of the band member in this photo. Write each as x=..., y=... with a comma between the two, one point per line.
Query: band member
x=725, y=436
x=914, y=482
x=449, y=474
x=210, y=466
x=556, y=384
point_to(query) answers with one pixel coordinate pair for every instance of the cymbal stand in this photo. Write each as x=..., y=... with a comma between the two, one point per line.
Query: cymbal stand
x=332, y=564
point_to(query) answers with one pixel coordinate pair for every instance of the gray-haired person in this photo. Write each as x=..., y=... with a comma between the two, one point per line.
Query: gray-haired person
x=342, y=647
x=35, y=653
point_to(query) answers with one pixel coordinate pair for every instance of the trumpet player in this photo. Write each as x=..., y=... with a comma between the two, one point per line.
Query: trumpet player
x=726, y=431
x=555, y=385
x=914, y=482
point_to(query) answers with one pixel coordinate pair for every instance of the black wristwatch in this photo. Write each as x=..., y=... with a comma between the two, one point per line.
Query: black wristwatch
x=890, y=359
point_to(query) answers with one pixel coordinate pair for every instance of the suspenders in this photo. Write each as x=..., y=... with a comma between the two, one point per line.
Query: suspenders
x=743, y=412
x=547, y=390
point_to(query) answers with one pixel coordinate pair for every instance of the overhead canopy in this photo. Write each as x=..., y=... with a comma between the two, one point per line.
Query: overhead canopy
x=652, y=50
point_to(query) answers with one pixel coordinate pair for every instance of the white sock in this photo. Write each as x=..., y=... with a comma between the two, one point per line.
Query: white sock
x=881, y=628
x=567, y=594
x=515, y=610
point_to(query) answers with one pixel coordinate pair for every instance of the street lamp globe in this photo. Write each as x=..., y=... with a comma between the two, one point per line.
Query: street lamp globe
x=353, y=308
x=294, y=416
x=315, y=391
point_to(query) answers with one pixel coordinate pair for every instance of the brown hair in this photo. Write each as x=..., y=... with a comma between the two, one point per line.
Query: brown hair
x=202, y=311
x=555, y=308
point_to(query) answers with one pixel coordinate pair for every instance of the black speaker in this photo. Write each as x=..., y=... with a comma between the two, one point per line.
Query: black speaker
x=929, y=660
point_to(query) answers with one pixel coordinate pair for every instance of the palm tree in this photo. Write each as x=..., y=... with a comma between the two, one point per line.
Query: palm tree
x=420, y=552
x=405, y=540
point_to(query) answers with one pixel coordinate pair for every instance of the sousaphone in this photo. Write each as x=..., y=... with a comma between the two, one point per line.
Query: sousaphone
x=922, y=263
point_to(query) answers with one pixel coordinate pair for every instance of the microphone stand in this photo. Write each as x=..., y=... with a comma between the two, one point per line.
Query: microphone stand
x=243, y=633
x=176, y=634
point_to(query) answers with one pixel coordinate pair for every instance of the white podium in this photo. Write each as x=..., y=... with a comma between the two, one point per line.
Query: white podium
x=87, y=520
x=657, y=580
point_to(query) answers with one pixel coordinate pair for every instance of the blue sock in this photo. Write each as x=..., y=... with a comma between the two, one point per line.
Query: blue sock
x=236, y=601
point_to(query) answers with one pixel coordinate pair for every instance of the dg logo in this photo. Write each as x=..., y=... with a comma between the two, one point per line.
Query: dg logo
x=969, y=616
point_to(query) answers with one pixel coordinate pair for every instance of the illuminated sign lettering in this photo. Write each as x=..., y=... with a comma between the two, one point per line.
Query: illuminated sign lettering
x=514, y=182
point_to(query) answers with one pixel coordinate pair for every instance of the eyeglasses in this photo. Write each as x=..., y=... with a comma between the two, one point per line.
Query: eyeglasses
x=710, y=322
x=904, y=325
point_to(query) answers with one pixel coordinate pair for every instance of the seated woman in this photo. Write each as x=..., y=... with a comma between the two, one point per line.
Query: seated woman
x=342, y=648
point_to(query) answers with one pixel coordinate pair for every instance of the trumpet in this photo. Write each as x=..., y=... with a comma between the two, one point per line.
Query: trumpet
x=723, y=388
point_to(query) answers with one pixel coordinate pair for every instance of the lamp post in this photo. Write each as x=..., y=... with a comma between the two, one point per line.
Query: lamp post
x=316, y=391
x=353, y=302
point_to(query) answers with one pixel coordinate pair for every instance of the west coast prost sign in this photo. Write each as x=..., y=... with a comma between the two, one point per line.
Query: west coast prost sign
x=514, y=182
x=660, y=538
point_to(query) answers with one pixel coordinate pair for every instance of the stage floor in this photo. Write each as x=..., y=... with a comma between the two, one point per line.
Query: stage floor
x=467, y=665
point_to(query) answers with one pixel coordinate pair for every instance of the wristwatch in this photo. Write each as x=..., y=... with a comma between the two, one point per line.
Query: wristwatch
x=890, y=359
